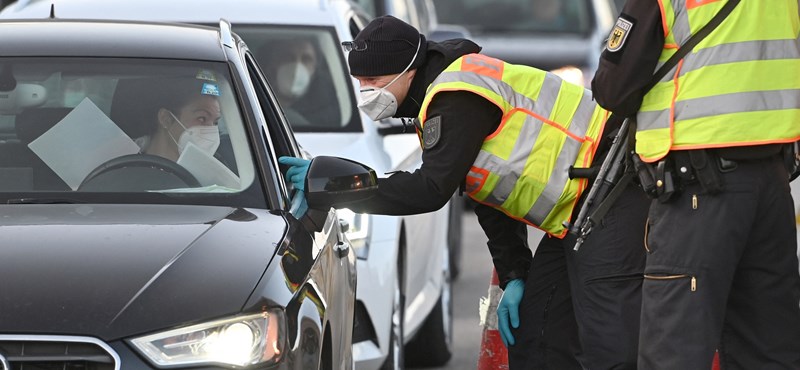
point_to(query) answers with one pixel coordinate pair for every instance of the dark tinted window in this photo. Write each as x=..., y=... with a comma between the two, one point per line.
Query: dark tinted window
x=142, y=127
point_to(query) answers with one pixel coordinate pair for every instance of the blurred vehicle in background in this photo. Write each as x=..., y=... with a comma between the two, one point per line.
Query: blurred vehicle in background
x=403, y=267
x=545, y=34
x=422, y=15
x=419, y=13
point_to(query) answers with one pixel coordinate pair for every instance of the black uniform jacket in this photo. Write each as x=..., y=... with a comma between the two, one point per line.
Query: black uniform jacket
x=466, y=119
x=621, y=75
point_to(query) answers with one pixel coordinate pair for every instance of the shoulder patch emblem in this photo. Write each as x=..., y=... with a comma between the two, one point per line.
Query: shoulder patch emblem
x=619, y=34
x=431, y=132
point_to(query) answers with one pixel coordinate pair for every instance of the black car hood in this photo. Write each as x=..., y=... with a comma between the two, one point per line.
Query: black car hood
x=113, y=271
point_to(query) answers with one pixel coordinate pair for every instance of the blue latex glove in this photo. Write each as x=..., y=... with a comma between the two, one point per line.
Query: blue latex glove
x=508, y=310
x=299, y=204
x=297, y=173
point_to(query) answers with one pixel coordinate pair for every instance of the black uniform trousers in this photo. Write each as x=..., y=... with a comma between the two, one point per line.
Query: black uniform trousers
x=580, y=310
x=722, y=273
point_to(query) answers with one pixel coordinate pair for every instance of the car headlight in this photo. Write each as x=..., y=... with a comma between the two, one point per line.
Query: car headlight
x=357, y=232
x=238, y=341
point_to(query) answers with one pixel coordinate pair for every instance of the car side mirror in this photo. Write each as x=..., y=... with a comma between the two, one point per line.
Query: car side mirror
x=333, y=181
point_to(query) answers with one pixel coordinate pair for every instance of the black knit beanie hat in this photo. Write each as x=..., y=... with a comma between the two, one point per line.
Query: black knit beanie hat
x=386, y=46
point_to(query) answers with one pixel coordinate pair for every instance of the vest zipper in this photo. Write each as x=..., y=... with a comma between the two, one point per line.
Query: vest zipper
x=694, y=201
x=693, y=281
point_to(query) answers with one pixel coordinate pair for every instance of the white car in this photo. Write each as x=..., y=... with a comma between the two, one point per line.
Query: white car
x=403, y=268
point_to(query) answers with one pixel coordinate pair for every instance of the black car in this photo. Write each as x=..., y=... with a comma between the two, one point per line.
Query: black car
x=145, y=221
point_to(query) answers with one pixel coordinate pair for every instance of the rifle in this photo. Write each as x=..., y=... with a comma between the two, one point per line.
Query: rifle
x=613, y=176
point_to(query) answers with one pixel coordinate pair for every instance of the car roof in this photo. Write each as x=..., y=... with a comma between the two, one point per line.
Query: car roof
x=288, y=12
x=55, y=37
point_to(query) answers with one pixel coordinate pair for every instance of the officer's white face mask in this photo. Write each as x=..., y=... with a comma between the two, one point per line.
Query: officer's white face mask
x=293, y=79
x=378, y=102
x=205, y=138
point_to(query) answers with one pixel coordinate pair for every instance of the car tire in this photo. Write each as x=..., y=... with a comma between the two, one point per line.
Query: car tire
x=433, y=344
x=395, y=359
x=454, y=237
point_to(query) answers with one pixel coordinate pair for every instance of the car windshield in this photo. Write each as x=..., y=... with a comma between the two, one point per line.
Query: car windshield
x=307, y=72
x=517, y=16
x=156, y=130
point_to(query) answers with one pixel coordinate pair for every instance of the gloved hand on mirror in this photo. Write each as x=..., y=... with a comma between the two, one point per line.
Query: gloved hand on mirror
x=299, y=205
x=296, y=174
x=508, y=310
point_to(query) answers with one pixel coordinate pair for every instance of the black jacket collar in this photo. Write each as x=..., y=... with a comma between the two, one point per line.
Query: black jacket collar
x=439, y=56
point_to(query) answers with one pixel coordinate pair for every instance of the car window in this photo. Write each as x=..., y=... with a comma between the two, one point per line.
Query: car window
x=373, y=7
x=146, y=128
x=306, y=69
x=517, y=16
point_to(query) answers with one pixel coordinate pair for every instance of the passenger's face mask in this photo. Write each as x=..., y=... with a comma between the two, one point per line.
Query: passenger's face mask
x=293, y=79
x=378, y=102
x=206, y=138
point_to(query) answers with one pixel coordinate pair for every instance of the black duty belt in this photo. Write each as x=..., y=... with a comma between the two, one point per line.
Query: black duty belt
x=744, y=153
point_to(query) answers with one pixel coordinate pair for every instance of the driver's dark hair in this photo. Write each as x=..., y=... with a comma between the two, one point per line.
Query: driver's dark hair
x=179, y=92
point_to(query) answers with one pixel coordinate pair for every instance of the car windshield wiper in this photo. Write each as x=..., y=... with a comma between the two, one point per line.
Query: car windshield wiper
x=43, y=201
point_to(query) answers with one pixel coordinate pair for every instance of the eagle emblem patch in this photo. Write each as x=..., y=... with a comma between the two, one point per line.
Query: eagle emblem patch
x=619, y=34
x=431, y=132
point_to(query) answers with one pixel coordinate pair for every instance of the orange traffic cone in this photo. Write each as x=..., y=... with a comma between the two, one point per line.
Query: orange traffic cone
x=493, y=354
x=715, y=364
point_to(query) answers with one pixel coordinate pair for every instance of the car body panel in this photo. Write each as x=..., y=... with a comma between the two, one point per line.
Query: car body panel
x=143, y=259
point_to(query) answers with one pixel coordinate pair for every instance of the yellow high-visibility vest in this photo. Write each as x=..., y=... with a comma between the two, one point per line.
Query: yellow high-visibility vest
x=548, y=125
x=739, y=86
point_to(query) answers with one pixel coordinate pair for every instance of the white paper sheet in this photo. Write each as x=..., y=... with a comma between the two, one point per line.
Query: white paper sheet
x=207, y=169
x=83, y=140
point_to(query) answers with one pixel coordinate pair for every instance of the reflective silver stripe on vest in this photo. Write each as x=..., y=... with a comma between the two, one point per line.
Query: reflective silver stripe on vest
x=737, y=103
x=555, y=185
x=753, y=101
x=543, y=106
x=681, y=30
x=566, y=158
x=741, y=52
x=516, y=163
x=583, y=115
x=667, y=77
x=652, y=120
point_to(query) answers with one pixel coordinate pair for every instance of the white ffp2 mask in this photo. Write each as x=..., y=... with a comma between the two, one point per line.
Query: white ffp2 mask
x=205, y=138
x=293, y=79
x=378, y=102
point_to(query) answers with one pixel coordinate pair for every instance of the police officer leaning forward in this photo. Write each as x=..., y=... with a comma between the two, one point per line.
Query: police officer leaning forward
x=478, y=113
x=721, y=267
